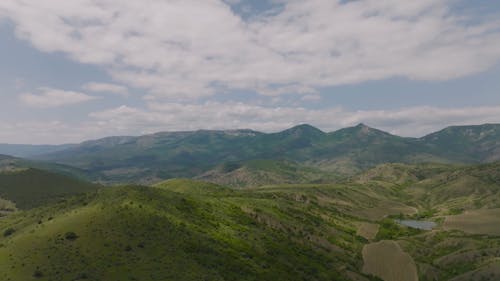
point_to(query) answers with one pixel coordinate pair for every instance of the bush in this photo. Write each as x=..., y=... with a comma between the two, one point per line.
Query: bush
x=8, y=232
x=38, y=274
x=390, y=230
x=70, y=236
x=82, y=275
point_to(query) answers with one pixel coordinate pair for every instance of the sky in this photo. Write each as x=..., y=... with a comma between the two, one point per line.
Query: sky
x=85, y=69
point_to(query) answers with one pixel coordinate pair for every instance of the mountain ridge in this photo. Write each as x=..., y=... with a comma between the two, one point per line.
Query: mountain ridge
x=164, y=155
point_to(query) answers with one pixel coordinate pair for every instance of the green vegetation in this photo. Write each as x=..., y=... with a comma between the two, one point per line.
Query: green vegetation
x=183, y=230
x=8, y=232
x=256, y=173
x=29, y=188
x=390, y=230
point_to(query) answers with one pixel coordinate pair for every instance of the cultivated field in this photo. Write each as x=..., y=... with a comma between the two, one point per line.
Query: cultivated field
x=386, y=260
x=485, y=221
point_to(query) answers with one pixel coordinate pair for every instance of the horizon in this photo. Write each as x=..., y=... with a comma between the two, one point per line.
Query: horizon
x=245, y=129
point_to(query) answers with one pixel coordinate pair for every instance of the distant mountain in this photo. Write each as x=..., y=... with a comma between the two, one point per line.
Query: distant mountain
x=27, y=150
x=155, y=157
x=466, y=143
x=10, y=163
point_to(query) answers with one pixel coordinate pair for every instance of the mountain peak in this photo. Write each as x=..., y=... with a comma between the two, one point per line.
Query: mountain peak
x=360, y=131
x=304, y=129
x=364, y=129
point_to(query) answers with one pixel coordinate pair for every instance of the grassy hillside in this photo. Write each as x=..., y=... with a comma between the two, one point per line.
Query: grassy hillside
x=256, y=173
x=29, y=188
x=194, y=230
x=183, y=230
x=444, y=188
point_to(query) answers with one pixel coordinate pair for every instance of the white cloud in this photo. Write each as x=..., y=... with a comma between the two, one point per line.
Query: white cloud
x=126, y=120
x=106, y=88
x=311, y=98
x=193, y=48
x=48, y=97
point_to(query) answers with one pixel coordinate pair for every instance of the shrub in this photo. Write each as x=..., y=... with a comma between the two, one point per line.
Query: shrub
x=70, y=236
x=82, y=275
x=38, y=274
x=8, y=232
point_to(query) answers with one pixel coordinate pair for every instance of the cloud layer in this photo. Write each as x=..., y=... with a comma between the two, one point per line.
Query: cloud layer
x=49, y=97
x=179, y=56
x=106, y=88
x=186, y=49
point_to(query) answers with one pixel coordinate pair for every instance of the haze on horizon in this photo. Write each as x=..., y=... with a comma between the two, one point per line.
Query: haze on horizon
x=77, y=70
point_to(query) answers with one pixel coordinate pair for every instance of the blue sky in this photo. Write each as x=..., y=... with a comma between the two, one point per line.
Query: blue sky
x=77, y=70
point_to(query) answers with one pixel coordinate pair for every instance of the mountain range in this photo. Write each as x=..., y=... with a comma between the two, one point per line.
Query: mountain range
x=155, y=157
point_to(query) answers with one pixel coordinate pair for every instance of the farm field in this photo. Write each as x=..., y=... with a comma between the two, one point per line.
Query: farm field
x=483, y=221
x=386, y=259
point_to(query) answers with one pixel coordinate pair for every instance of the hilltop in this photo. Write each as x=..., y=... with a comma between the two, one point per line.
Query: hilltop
x=28, y=188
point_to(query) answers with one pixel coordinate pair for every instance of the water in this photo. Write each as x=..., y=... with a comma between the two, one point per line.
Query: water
x=424, y=225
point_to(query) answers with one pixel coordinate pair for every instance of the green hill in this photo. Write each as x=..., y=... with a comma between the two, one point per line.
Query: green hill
x=441, y=187
x=29, y=188
x=256, y=173
x=181, y=230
